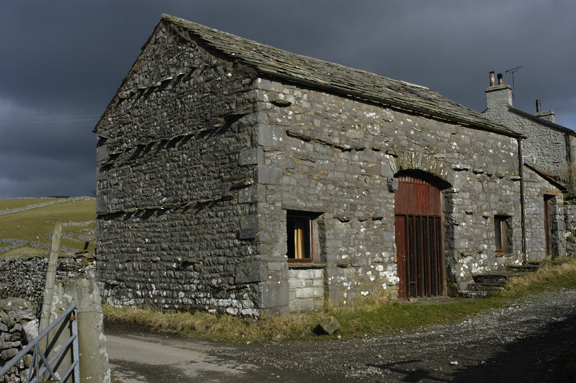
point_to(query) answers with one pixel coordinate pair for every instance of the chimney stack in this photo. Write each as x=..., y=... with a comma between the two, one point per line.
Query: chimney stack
x=547, y=115
x=498, y=96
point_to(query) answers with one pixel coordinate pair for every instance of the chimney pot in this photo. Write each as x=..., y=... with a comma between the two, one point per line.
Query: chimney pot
x=500, y=81
x=538, y=106
x=492, y=83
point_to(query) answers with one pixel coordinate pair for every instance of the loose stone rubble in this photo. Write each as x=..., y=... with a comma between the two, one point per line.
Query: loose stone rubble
x=18, y=327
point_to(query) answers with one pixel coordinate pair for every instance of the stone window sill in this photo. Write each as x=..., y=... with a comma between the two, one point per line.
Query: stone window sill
x=295, y=265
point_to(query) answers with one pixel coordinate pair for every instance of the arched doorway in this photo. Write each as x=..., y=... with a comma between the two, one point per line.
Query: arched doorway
x=420, y=258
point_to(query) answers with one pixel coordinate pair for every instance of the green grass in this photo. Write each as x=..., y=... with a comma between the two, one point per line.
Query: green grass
x=357, y=320
x=377, y=316
x=9, y=204
x=38, y=224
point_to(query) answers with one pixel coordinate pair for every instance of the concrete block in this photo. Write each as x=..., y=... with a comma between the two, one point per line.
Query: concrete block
x=328, y=326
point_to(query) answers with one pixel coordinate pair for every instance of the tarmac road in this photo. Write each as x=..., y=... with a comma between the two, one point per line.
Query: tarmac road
x=142, y=357
x=533, y=340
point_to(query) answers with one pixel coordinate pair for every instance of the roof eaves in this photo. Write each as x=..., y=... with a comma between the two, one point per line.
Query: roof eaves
x=547, y=177
x=541, y=120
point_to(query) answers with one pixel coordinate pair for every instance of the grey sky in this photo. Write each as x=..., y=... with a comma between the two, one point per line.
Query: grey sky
x=62, y=61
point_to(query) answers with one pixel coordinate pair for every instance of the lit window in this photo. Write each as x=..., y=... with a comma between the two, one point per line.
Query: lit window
x=299, y=226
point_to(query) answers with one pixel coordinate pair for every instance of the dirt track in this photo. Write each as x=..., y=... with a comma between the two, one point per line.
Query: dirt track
x=533, y=341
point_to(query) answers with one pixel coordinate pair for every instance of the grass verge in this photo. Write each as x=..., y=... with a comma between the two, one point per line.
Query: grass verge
x=371, y=317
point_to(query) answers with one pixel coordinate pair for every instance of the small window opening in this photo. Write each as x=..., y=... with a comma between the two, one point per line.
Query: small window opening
x=300, y=233
x=503, y=231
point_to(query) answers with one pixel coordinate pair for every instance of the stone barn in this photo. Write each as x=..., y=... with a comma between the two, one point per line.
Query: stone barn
x=236, y=177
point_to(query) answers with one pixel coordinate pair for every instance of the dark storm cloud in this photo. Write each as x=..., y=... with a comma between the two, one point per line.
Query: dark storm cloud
x=62, y=62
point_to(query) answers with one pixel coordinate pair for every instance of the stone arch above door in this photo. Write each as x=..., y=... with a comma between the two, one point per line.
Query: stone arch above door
x=423, y=166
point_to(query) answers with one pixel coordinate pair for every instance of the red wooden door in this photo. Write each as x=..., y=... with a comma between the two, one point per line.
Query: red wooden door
x=418, y=230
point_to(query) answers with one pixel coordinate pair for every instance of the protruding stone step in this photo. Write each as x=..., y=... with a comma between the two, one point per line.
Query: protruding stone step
x=485, y=286
x=503, y=277
x=523, y=268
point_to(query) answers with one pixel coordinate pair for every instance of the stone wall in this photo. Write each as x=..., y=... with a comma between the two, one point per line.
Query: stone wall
x=18, y=327
x=172, y=200
x=536, y=191
x=306, y=289
x=546, y=144
x=26, y=277
x=570, y=222
x=337, y=156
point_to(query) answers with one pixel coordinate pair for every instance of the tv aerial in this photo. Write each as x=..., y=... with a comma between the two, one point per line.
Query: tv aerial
x=513, y=70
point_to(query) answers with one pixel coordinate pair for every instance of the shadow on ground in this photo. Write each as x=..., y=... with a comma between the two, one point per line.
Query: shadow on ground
x=547, y=356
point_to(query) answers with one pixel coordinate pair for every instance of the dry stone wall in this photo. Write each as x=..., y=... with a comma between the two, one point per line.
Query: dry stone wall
x=26, y=277
x=570, y=226
x=18, y=327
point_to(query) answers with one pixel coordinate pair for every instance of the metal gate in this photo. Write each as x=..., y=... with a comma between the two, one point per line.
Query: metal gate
x=419, y=248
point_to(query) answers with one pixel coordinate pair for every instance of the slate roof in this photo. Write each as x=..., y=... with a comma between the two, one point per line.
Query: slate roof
x=277, y=63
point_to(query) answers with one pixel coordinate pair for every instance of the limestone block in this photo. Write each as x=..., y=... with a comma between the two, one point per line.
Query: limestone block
x=328, y=326
x=94, y=365
x=254, y=193
x=268, y=175
x=301, y=305
x=393, y=184
x=247, y=272
x=251, y=156
x=309, y=292
x=270, y=136
x=269, y=85
x=273, y=294
x=102, y=153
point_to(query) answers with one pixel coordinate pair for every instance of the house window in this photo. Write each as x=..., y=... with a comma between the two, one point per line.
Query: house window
x=300, y=233
x=503, y=231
